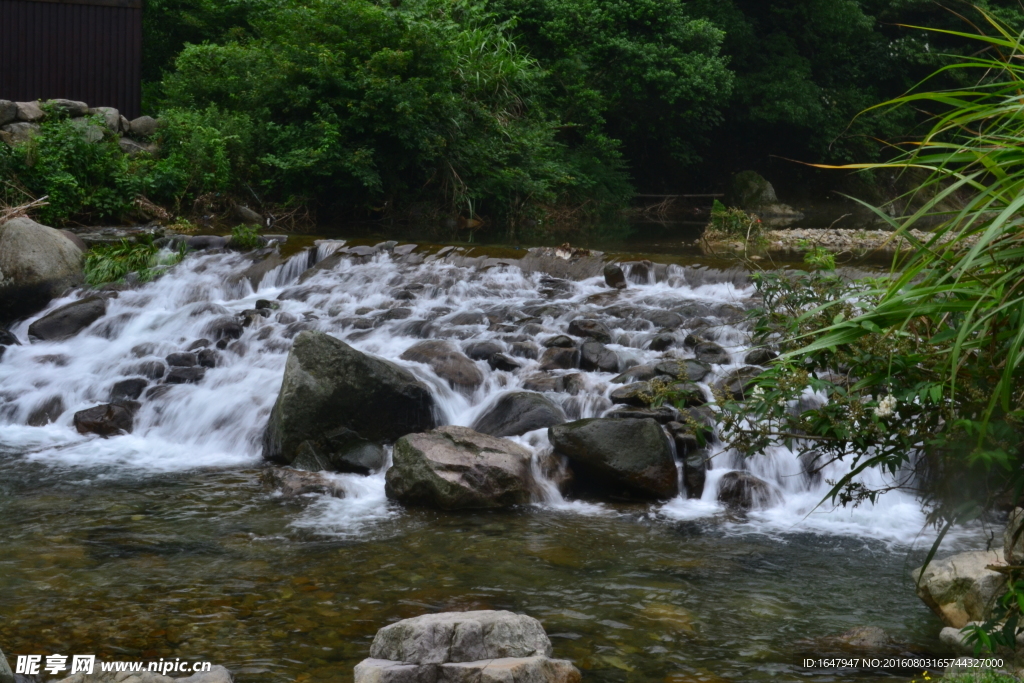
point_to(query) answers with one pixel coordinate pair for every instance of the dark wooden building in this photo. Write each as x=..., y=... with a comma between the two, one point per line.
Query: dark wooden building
x=84, y=50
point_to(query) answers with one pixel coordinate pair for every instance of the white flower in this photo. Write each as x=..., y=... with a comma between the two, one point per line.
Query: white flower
x=758, y=392
x=886, y=407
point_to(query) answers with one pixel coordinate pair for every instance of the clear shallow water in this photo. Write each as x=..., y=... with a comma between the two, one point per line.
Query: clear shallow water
x=164, y=543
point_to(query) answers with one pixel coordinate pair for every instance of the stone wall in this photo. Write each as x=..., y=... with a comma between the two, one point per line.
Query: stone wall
x=19, y=121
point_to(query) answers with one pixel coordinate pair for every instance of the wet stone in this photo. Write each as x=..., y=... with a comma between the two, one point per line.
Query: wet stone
x=500, y=361
x=182, y=375
x=614, y=277
x=661, y=414
x=182, y=360
x=482, y=350
x=743, y=490
x=46, y=412
x=397, y=314
x=207, y=358
x=560, y=359
x=693, y=370
x=760, y=356
x=105, y=420
x=596, y=356
x=591, y=329
x=637, y=394
x=525, y=349
x=198, y=344
x=662, y=342
x=709, y=352
x=128, y=389
x=561, y=341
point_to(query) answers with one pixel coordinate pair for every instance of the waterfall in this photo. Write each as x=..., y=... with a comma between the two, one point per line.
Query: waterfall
x=380, y=303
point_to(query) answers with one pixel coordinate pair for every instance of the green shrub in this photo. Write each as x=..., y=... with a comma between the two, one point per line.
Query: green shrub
x=245, y=236
x=82, y=179
x=734, y=224
x=112, y=262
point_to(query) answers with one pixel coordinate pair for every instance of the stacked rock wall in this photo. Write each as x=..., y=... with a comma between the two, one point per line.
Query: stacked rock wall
x=19, y=121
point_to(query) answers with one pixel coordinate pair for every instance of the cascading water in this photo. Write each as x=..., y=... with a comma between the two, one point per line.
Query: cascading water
x=165, y=543
x=218, y=421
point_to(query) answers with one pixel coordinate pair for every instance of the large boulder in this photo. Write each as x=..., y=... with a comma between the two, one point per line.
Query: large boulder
x=37, y=264
x=960, y=588
x=447, y=362
x=519, y=412
x=334, y=398
x=67, y=321
x=614, y=455
x=484, y=646
x=455, y=468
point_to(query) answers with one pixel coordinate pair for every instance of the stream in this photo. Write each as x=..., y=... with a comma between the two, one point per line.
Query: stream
x=165, y=543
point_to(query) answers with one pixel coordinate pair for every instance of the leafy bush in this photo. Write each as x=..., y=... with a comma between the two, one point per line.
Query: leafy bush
x=245, y=236
x=369, y=108
x=112, y=262
x=734, y=224
x=77, y=164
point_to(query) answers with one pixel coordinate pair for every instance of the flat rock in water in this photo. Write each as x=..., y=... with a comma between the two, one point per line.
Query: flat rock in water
x=457, y=637
x=67, y=321
x=613, y=454
x=710, y=352
x=447, y=362
x=328, y=385
x=456, y=468
x=519, y=412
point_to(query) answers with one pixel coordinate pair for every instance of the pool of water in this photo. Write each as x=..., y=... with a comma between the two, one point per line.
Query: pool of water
x=208, y=565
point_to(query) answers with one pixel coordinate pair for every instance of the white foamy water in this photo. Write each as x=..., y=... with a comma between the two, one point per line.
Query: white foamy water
x=382, y=305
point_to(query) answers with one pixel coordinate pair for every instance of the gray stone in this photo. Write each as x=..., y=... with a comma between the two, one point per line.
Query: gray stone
x=662, y=341
x=709, y=352
x=72, y=108
x=695, y=465
x=743, y=490
x=134, y=149
x=612, y=454
x=6, y=675
x=519, y=412
x=88, y=129
x=143, y=127
x=182, y=360
x=68, y=320
x=37, y=264
x=738, y=383
x=106, y=420
x=482, y=350
x=128, y=389
x=511, y=670
x=328, y=385
x=557, y=358
x=596, y=356
x=385, y=671
x=182, y=375
x=560, y=341
x=21, y=132
x=124, y=125
x=500, y=361
x=663, y=319
x=614, y=277
x=455, y=468
x=960, y=588
x=46, y=412
x=447, y=362
x=111, y=117
x=686, y=370
x=457, y=637
x=8, y=114
x=638, y=394
x=760, y=356
x=748, y=190
x=30, y=112
x=592, y=329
